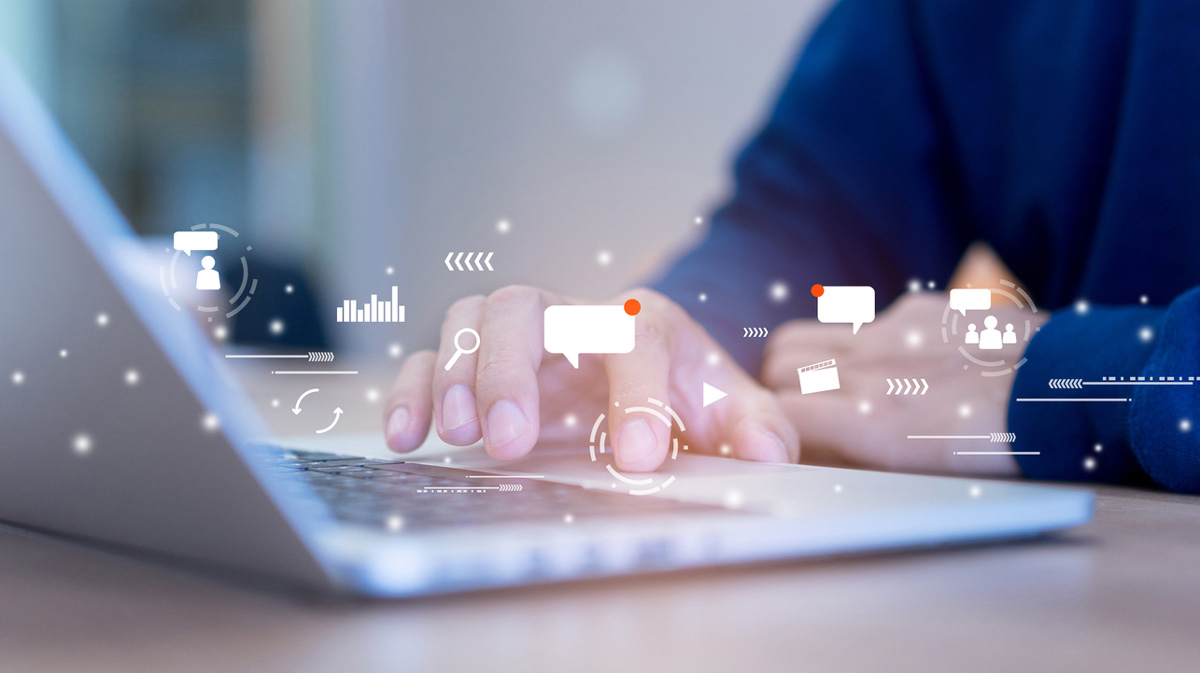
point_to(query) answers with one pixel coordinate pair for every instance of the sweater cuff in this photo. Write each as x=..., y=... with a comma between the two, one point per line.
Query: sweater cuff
x=1082, y=440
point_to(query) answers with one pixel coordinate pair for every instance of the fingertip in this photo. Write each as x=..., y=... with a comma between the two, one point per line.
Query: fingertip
x=400, y=433
x=510, y=432
x=638, y=447
x=459, y=423
x=757, y=441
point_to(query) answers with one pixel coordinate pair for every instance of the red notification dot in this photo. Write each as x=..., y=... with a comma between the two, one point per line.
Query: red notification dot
x=818, y=290
x=633, y=307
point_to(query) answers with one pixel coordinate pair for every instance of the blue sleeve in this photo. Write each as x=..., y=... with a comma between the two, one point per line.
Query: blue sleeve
x=1149, y=438
x=850, y=182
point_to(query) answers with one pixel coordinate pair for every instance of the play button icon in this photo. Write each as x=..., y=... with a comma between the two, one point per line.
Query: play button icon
x=713, y=394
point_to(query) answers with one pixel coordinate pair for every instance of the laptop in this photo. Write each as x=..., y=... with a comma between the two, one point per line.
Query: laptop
x=179, y=467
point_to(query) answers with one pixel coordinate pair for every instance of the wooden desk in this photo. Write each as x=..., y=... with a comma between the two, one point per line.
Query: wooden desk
x=1120, y=594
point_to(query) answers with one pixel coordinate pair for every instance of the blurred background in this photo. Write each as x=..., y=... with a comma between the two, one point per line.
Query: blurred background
x=356, y=143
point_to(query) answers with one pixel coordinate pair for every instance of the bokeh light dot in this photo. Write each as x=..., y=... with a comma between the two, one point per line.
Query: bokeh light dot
x=779, y=291
x=81, y=444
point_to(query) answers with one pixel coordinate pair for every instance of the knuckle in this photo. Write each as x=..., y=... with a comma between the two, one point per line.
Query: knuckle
x=499, y=365
x=513, y=294
x=464, y=304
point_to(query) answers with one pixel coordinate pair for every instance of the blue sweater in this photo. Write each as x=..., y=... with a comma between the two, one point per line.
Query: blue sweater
x=1065, y=133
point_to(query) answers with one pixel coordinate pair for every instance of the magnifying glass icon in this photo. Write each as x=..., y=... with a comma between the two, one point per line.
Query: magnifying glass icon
x=459, y=351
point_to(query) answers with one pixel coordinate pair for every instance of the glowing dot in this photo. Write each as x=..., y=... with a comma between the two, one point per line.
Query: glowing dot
x=633, y=306
x=18, y=377
x=275, y=403
x=864, y=407
x=964, y=410
x=289, y=288
x=975, y=491
x=570, y=420
x=726, y=450
x=372, y=395
x=713, y=359
x=914, y=285
x=102, y=319
x=837, y=488
x=1146, y=334
x=930, y=285
x=703, y=296
x=503, y=226
x=1185, y=425
x=1089, y=463
x=394, y=351
x=1081, y=307
x=1144, y=299
x=914, y=339
x=733, y=499
x=81, y=444
x=395, y=523
x=568, y=518
x=391, y=270
x=779, y=291
x=276, y=327
x=446, y=460
x=132, y=377
x=1098, y=448
x=604, y=258
x=63, y=354
x=210, y=422
x=699, y=220
x=220, y=333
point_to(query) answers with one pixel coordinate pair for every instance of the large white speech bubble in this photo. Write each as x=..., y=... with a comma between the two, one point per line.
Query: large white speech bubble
x=187, y=241
x=964, y=300
x=853, y=304
x=572, y=330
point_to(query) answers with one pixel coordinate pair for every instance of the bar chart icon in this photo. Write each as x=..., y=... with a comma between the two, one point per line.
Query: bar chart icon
x=373, y=311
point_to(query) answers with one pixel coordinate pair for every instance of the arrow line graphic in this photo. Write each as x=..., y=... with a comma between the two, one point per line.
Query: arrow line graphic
x=337, y=416
x=296, y=407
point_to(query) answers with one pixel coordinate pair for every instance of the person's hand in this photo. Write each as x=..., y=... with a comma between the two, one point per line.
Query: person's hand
x=860, y=425
x=511, y=391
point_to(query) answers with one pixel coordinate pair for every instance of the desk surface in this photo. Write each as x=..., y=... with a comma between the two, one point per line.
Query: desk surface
x=1120, y=593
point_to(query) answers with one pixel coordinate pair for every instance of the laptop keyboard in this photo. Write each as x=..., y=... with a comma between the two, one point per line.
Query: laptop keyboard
x=395, y=495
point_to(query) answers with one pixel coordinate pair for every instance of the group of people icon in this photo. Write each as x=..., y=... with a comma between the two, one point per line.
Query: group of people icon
x=990, y=339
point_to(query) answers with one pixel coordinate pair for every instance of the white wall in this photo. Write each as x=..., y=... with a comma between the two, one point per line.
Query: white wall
x=589, y=125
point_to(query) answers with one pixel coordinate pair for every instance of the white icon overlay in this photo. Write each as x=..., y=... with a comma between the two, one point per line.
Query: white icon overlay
x=459, y=351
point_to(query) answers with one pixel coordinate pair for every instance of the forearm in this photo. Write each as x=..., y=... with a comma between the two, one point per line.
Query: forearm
x=1147, y=438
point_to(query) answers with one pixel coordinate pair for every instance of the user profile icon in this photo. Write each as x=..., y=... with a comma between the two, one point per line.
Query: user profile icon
x=208, y=278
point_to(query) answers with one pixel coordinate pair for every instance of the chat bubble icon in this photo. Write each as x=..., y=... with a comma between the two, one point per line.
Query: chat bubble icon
x=853, y=304
x=187, y=241
x=572, y=330
x=964, y=300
